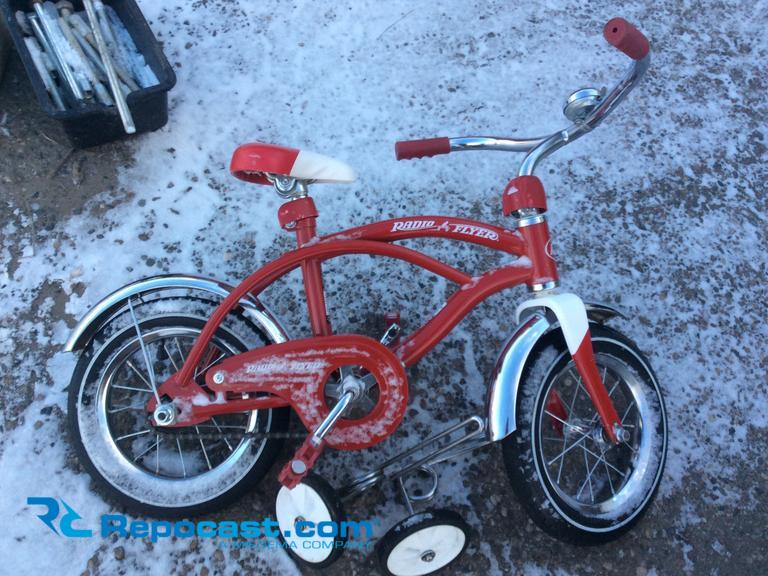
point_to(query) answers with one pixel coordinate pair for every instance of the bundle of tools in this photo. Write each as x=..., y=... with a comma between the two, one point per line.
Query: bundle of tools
x=85, y=57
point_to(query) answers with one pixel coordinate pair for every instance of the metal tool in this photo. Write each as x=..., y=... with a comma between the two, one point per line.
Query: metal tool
x=55, y=39
x=114, y=82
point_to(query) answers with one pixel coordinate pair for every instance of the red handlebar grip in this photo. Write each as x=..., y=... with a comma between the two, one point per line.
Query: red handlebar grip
x=621, y=34
x=408, y=149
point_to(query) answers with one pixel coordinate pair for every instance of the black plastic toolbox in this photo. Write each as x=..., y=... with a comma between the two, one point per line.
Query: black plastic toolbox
x=91, y=124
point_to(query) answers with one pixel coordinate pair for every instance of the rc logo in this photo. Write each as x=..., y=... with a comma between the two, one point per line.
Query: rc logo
x=52, y=514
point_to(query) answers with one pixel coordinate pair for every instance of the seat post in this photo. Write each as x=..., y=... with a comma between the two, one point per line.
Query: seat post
x=300, y=216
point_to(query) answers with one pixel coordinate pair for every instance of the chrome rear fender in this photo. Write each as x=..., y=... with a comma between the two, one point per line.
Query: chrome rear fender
x=117, y=302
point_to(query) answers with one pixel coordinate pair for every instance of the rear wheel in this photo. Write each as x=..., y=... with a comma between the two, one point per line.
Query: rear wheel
x=575, y=483
x=170, y=472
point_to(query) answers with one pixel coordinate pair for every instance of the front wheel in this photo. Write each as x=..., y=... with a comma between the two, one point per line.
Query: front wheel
x=575, y=484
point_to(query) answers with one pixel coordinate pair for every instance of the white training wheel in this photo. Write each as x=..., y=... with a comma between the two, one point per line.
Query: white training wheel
x=313, y=501
x=423, y=543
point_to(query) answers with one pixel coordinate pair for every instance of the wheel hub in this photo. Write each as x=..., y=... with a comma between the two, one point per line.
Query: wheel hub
x=597, y=434
x=428, y=556
x=165, y=414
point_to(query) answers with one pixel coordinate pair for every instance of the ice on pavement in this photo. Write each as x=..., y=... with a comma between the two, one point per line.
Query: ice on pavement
x=350, y=80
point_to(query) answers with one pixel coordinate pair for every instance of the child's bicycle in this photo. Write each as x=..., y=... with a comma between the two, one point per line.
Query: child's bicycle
x=181, y=397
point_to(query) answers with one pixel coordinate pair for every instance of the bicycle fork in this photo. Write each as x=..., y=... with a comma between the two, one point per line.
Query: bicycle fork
x=572, y=317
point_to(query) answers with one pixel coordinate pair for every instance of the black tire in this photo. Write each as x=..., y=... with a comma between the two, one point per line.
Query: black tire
x=87, y=374
x=566, y=516
x=418, y=523
x=336, y=512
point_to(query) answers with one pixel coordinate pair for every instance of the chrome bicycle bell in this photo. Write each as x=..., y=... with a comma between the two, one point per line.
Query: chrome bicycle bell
x=581, y=103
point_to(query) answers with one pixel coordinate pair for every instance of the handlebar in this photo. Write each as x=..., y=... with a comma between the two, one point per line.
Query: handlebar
x=617, y=32
x=622, y=35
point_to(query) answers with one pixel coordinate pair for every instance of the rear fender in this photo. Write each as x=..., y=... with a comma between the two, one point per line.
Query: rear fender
x=116, y=303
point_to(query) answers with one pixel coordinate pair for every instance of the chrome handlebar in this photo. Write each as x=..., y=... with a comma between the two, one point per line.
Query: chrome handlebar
x=539, y=148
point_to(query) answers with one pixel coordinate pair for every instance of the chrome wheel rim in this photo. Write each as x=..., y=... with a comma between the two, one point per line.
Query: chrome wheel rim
x=585, y=470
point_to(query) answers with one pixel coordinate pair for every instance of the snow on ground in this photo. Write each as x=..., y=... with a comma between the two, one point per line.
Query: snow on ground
x=661, y=211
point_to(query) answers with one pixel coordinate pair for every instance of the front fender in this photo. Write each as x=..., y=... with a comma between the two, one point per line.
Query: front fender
x=115, y=303
x=507, y=375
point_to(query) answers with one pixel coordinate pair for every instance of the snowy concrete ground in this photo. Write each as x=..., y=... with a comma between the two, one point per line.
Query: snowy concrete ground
x=662, y=211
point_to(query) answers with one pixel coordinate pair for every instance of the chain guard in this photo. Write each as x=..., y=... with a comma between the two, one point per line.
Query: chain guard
x=297, y=372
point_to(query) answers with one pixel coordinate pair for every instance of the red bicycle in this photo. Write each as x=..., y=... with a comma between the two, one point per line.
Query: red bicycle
x=181, y=397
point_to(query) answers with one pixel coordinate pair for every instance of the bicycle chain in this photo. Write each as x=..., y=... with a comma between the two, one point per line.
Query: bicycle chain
x=234, y=435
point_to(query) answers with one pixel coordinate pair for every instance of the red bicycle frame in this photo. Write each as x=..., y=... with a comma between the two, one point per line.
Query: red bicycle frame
x=534, y=266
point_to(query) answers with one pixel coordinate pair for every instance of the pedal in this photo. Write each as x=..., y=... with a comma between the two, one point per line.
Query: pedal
x=391, y=337
x=299, y=466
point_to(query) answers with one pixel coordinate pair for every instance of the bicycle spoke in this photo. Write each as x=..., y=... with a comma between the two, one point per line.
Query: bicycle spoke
x=628, y=445
x=575, y=428
x=150, y=369
x=563, y=453
x=216, y=361
x=124, y=408
x=202, y=445
x=589, y=477
x=142, y=390
x=226, y=441
x=148, y=450
x=170, y=357
x=619, y=472
x=138, y=373
x=565, y=439
x=608, y=473
x=181, y=456
x=133, y=434
x=157, y=455
x=180, y=349
x=631, y=405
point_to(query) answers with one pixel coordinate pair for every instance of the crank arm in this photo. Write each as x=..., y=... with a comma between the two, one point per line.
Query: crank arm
x=305, y=457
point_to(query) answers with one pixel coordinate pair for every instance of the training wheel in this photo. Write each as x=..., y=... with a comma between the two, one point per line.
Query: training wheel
x=423, y=543
x=312, y=501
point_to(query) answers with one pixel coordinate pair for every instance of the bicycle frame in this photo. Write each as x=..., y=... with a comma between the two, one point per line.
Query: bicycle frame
x=534, y=266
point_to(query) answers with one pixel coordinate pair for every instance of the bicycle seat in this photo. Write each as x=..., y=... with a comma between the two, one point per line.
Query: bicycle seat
x=257, y=162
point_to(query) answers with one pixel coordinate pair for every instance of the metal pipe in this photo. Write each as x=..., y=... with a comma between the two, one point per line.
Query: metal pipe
x=34, y=24
x=70, y=56
x=83, y=32
x=102, y=95
x=56, y=48
x=114, y=83
x=36, y=54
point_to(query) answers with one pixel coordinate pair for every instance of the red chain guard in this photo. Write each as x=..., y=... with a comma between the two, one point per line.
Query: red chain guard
x=297, y=371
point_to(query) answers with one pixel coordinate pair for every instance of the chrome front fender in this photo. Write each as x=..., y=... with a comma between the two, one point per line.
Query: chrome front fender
x=501, y=405
x=114, y=304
